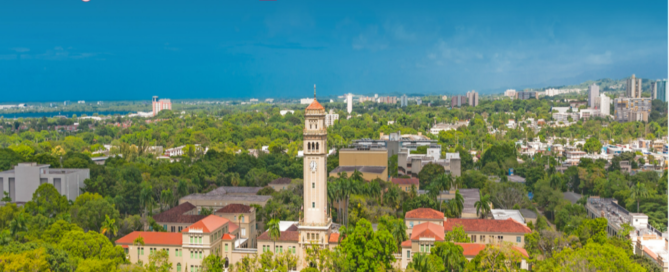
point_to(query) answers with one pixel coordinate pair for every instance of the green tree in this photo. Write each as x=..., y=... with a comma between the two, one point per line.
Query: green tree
x=639, y=191
x=274, y=232
x=424, y=262
x=139, y=241
x=47, y=201
x=90, y=211
x=457, y=235
x=483, y=206
x=451, y=255
x=159, y=261
x=109, y=226
x=429, y=172
x=365, y=250
x=592, y=145
x=592, y=257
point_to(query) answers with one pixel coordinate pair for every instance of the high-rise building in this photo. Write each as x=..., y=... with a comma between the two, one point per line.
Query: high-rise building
x=458, y=101
x=604, y=105
x=419, y=101
x=473, y=98
x=162, y=104
x=659, y=89
x=633, y=87
x=404, y=101
x=510, y=93
x=593, y=95
x=632, y=109
x=349, y=103
x=526, y=95
x=330, y=118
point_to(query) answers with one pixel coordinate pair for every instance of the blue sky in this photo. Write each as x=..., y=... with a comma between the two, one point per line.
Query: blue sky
x=121, y=49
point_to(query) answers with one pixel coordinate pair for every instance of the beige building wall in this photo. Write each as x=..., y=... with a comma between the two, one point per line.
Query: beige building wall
x=494, y=238
x=172, y=250
x=247, y=226
x=363, y=158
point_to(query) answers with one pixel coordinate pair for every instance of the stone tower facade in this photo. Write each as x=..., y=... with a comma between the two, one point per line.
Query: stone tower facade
x=314, y=227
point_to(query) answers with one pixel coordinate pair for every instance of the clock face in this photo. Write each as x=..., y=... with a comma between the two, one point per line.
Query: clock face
x=313, y=165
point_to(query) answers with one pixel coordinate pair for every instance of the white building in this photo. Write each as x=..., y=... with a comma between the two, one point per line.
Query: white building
x=330, y=118
x=593, y=95
x=349, y=103
x=253, y=100
x=269, y=100
x=604, y=105
x=510, y=93
x=306, y=101
x=22, y=181
x=283, y=112
x=473, y=98
x=81, y=102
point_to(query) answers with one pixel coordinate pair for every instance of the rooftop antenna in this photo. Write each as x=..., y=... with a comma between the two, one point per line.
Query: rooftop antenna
x=314, y=91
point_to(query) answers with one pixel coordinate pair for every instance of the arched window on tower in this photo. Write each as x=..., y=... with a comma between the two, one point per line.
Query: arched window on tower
x=316, y=146
x=309, y=146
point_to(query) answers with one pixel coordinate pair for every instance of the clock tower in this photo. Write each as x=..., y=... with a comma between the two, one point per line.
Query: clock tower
x=315, y=225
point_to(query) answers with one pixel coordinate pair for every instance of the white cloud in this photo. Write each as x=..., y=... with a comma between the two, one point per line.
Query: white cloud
x=600, y=59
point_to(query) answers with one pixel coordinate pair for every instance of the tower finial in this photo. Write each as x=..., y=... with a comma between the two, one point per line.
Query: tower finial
x=314, y=91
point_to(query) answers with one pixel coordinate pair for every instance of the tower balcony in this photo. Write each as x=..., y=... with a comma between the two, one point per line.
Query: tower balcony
x=315, y=132
x=327, y=223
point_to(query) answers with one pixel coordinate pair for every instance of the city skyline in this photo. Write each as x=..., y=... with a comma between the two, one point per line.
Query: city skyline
x=125, y=50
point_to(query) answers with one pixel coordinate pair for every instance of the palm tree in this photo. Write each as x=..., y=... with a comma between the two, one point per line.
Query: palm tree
x=137, y=242
x=451, y=254
x=638, y=191
x=483, y=206
x=239, y=219
x=458, y=203
x=18, y=225
x=274, y=231
x=146, y=198
x=109, y=225
x=420, y=262
x=332, y=195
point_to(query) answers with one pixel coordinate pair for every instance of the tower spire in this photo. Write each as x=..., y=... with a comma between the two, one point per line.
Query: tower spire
x=314, y=91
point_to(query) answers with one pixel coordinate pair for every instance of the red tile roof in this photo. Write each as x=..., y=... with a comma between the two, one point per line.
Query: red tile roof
x=427, y=230
x=486, y=225
x=424, y=213
x=471, y=250
x=315, y=106
x=208, y=224
x=288, y=236
x=228, y=236
x=152, y=238
x=235, y=208
x=176, y=215
x=405, y=181
x=334, y=238
x=232, y=227
x=406, y=243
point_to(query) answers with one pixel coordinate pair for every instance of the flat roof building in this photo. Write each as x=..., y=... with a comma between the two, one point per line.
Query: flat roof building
x=22, y=181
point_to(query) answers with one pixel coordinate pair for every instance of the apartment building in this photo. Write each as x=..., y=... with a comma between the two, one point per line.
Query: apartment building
x=178, y=218
x=22, y=181
x=411, y=164
x=225, y=195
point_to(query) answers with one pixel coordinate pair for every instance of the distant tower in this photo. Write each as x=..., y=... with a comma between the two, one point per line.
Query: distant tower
x=158, y=105
x=633, y=87
x=349, y=103
x=593, y=95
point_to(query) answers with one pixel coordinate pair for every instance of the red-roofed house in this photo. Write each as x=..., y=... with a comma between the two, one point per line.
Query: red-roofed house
x=245, y=217
x=486, y=231
x=421, y=240
x=422, y=215
x=172, y=242
x=203, y=238
x=178, y=218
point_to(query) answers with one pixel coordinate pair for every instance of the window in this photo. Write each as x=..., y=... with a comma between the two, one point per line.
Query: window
x=408, y=254
x=500, y=238
x=422, y=248
x=482, y=238
x=200, y=239
x=191, y=239
x=411, y=224
x=165, y=227
x=313, y=185
x=242, y=219
x=172, y=229
x=226, y=248
x=518, y=239
x=191, y=255
x=473, y=238
x=142, y=252
x=243, y=232
x=179, y=267
x=200, y=254
x=313, y=204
